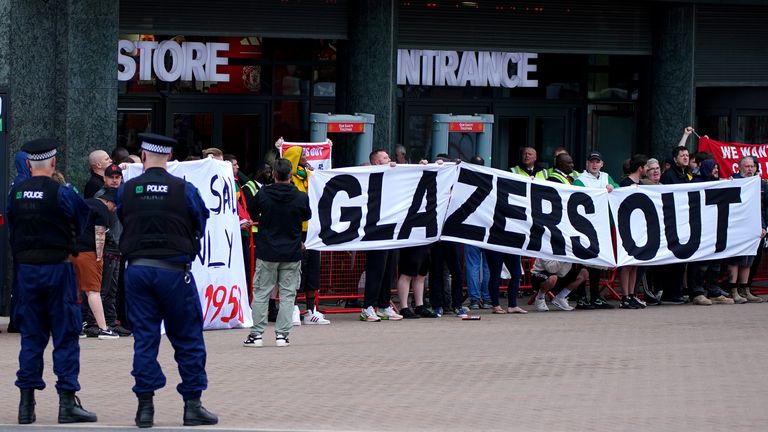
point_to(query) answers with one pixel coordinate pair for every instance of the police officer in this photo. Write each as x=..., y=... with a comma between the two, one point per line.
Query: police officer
x=45, y=217
x=163, y=219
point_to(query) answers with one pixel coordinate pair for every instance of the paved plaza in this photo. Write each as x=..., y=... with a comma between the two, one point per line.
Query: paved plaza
x=667, y=368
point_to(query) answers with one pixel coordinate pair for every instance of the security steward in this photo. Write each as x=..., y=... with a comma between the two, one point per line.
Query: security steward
x=163, y=219
x=45, y=217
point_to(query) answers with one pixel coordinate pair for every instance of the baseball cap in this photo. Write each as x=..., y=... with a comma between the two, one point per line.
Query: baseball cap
x=595, y=155
x=106, y=193
x=113, y=169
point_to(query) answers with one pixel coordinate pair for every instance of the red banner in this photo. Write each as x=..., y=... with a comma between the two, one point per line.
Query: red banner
x=727, y=155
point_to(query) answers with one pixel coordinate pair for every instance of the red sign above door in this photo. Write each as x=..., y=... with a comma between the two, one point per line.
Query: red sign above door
x=346, y=127
x=465, y=127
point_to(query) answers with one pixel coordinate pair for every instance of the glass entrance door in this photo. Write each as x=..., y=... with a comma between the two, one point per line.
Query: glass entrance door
x=234, y=125
x=544, y=129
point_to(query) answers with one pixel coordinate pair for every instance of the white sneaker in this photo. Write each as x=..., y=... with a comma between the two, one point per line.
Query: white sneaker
x=315, y=317
x=541, y=304
x=296, y=316
x=562, y=304
x=282, y=341
x=369, y=315
x=388, y=313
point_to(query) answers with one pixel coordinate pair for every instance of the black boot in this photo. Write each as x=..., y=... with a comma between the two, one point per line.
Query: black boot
x=195, y=414
x=27, y=406
x=71, y=411
x=145, y=414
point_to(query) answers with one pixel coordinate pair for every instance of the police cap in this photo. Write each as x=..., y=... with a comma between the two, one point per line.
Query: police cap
x=106, y=193
x=40, y=149
x=157, y=143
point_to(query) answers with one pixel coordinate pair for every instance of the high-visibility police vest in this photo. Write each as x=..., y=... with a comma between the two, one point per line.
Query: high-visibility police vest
x=157, y=221
x=37, y=220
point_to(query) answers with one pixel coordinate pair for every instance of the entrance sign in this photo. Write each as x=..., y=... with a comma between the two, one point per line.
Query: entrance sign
x=686, y=222
x=473, y=68
x=728, y=155
x=186, y=61
x=218, y=268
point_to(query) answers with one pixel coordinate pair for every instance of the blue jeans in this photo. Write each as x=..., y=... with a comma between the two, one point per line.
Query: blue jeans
x=478, y=274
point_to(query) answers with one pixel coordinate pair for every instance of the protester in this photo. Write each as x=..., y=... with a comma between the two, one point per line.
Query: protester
x=739, y=267
x=99, y=160
x=88, y=260
x=246, y=220
x=163, y=220
x=671, y=275
x=527, y=164
x=310, y=261
x=476, y=265
x=652, y=173
x=111, y=286
x=702, y=275
x=545, y=173
x=495, y=261
x=379, y=269
x=282, y=209
x=563, y=171
x=593, y=177
x=547, y=275
x=44, y=218
x=628, y=274
x=400, y=154
x=414, y=266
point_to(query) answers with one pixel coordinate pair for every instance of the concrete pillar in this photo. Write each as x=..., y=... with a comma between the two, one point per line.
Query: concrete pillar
x=63, y=78
x=369, y=68
x=673, y=89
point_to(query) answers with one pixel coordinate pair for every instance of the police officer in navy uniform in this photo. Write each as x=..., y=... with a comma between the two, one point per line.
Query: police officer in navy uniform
x=45, y=217
x=163, y=219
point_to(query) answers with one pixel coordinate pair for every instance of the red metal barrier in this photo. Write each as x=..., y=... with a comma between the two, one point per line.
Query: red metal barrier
x=342, y=278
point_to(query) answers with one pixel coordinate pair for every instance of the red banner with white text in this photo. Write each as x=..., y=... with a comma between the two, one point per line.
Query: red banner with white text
x=727, y=155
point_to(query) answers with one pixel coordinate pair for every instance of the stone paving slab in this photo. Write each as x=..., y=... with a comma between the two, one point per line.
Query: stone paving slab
x=667, y=368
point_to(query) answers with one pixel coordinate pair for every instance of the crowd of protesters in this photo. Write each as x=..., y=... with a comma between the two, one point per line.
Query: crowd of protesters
x=418, y=275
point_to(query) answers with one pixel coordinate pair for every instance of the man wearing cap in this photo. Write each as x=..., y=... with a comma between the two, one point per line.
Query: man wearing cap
x=163, y=219
x=88, y=263
x=44, y=219
x=99, y=160
x=592, y=177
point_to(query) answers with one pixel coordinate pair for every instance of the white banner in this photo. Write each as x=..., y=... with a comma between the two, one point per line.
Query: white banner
x=498, y=210
x=318, y=153
x=218, y=269
x=378, y=207
x=686, y=222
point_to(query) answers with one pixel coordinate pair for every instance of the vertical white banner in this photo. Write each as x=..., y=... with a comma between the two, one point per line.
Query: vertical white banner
x=218, y=269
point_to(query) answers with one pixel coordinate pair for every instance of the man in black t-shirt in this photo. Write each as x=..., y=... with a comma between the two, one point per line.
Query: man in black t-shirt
x=89, y=263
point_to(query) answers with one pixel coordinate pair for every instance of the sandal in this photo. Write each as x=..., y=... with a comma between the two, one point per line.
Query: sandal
x=516, y=310
x=498, y=310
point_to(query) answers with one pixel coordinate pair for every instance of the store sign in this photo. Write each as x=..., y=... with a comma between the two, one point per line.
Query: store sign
x=346, y=127
x=459, y=69
x=171, y=61
x=465, y=127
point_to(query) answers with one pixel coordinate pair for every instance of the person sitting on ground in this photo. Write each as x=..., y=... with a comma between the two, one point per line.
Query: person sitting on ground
x=547, y=275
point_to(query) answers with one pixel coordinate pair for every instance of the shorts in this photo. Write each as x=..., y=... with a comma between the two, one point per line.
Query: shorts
x=538, y=278
x=742, y=261
x=88, y=271
x=414, y=261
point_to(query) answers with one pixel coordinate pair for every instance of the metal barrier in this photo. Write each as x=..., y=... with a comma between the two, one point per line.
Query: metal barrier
x=342, y=278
